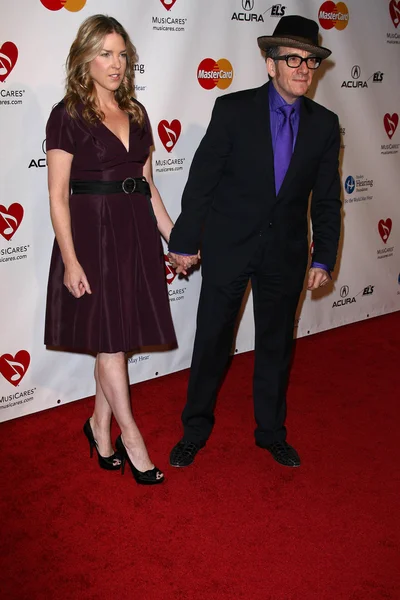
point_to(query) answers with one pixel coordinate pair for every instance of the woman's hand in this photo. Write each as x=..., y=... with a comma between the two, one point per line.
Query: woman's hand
x=75, y=280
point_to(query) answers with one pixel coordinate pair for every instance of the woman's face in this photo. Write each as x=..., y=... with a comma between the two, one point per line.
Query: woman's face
x=108, y=68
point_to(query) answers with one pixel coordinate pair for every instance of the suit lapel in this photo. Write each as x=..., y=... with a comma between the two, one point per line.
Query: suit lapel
x=300, y=149
x=263, y=140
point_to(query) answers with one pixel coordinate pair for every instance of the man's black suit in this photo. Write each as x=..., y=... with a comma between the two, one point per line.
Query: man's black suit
x=245, y=231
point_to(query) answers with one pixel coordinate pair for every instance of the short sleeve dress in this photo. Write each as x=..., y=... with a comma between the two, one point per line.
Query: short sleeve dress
x=117, y=243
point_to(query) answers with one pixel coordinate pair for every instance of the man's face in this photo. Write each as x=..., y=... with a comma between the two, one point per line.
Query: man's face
x=290, y=83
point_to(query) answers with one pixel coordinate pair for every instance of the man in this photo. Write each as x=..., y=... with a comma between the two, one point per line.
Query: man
x=245, y=204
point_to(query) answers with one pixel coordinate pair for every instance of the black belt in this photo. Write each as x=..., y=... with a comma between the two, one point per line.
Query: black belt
x=129, y=185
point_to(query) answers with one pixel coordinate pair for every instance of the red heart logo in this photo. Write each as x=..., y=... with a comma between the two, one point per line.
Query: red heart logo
x=8, y=58
x=168, y=4
x=390, y=122
x=384, y=228
x=14, y=368
x=169, y=133
x=394, y=10
x=170, y=272
x=10, y=219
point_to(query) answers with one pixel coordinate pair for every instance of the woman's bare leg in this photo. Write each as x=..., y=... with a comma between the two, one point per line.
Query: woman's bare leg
x=113, y=379
x=101, y=418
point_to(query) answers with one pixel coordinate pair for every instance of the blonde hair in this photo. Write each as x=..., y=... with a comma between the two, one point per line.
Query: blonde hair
x=79, y=84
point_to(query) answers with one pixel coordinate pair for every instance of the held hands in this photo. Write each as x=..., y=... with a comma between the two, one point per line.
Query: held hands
x=182, y=263
x=75, y=280
x=317, y=278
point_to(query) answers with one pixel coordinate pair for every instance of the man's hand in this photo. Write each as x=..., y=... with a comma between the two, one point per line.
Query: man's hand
x=317, y=278
x=182, y=263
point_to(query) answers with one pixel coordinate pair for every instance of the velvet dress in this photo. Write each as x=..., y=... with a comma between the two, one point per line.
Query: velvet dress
x=117, y=243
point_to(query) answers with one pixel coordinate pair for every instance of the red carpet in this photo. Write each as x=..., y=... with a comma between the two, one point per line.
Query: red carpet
x=235, y=525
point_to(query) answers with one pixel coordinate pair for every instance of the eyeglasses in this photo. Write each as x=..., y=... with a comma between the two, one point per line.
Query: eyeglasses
x=294, y=61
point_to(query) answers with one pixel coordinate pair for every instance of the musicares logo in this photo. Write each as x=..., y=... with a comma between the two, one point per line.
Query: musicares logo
x=170, y=272
x=390, y=123
x=71, y=5
x=8, y=58
x=169, y=133
x=384, y=228
x=333, y=15
x=10, y=219
x=394, y=10
x=211, y=73
x=14, y=368
x=168, y=4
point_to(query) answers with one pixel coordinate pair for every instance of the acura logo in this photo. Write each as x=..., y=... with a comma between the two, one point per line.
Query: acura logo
x=356, y=72
x=344, y=291
x=248, y=4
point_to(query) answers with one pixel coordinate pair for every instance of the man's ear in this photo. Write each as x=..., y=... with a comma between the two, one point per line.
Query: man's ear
x=271, y=67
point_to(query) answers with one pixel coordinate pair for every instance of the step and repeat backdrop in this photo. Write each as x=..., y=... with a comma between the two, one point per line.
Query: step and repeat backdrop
x=180, y=44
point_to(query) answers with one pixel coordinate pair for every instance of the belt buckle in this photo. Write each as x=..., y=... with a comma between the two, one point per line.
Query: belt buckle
x=129, y=185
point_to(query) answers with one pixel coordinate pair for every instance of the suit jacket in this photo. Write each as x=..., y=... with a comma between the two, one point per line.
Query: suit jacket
x=229, y=203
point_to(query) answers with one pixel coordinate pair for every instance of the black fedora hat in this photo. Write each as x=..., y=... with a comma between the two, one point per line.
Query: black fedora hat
x=294, y=31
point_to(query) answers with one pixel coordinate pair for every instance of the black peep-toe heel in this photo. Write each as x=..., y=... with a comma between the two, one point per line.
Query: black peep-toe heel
x=110, y=463
x=150, y=477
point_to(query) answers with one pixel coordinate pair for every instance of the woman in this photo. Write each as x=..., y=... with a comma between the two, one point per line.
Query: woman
x=107, y=292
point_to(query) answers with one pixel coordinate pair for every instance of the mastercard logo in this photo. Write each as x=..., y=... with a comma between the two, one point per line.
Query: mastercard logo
x=215, y=73
x=333, y=15
x=71, y=5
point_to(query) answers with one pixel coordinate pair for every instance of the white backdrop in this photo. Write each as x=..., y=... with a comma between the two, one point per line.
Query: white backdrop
x=361, y=83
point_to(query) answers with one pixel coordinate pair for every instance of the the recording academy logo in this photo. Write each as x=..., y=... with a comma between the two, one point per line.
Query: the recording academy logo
x=8, y=58
x=169, y=133
x=10, y=220
x=384, y=230
x=250, y=14
x=215, y=73
x=394, y=12
x=357, y=82
x=390, y=123
x=14, y=368
x=358, y=184
x=168, y=22
x=168, y=4
x=333, y=15
x=170, y=272
x=71, y=5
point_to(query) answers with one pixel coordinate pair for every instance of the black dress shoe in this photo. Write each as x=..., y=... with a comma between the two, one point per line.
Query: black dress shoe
x=283, y=453
x=183, y=454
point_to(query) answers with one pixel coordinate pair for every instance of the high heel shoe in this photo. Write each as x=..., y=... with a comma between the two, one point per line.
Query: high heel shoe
x=110, y=463
x=150, y=477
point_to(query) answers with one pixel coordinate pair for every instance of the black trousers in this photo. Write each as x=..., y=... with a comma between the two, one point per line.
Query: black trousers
x=274, y=314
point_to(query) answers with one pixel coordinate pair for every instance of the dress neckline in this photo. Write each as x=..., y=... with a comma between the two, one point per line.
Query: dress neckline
x=118, y=138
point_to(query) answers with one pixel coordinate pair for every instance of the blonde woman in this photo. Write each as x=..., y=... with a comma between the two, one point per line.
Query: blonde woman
x=107, y=291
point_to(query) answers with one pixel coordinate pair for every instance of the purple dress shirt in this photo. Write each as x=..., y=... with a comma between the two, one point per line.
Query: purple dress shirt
x=276, y=118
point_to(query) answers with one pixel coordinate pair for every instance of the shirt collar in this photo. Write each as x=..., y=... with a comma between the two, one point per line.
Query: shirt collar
x=276, y=100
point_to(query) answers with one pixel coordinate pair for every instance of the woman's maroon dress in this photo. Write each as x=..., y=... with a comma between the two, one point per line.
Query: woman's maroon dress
x=117, y=244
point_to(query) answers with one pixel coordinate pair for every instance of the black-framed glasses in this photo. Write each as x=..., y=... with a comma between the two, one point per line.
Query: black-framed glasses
x=294, y=61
